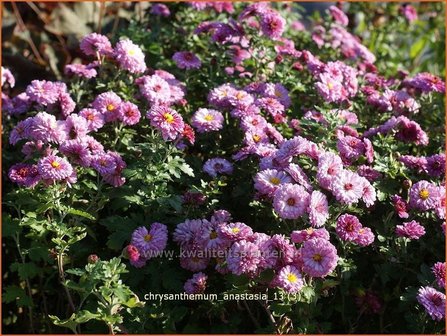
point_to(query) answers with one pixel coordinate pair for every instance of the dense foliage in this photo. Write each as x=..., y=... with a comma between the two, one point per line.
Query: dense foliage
x=291, y=164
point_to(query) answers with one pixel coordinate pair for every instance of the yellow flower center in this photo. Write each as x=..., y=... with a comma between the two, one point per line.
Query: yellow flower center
x=424, y=193
x=278, y=93
x=209, y=117
x=275, y=180
x=317, y=257
x=148, y=237
x=169, y=118
x=292, y=278
x=235, y=230
x=330, y=85
x=213, y=235
x=310, y=231
x=256, y=137
x=240, y=95
x=90, y=117
x=131, y=52
x=110, y=107
x=55, y=164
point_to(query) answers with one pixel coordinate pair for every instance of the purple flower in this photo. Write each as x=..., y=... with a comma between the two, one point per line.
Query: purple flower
x=54, y=168
x=207, y=120
x=186, y=60
x=160, y=9
x=409, y=12
x=440, y=203
x=329, y=88
x=130, y=56
x=300, y=236
x=167, y=121
x=95, y=43
x=290, y=201
x=364, y=237
x=193, y=262
x=80, y=70
x=426, y=82
x=77, y=151
x=277, y=251
x=209, y=236
x=348, y=227
x=318, y=209
x=155, y=89
x=196, y=284
x=7, y=77
x=347, y=187
x=221, y=216
x=243, y=258
x=433, y=302
x=108, y=104
x=17, y=105
x=436, y=165
x=290, y=279
x=410, y=131
x=43, y=92
x=150, y=242
x=114, y=178
x=272, y=24
x=21, y=131
x=338, y=16
x=319, y=257
x=411, y=230
x=104, y=163
x=277, y=91
x=186, y=233
x=438, y=270
x=216, y=166
x=267, y=181
x=400, y=206
x=423, y=195
x=369, y=173
x=95, y=120
x=234, y=231
x=46, y=128
x=299, y=176
x=329, y=167
x=24, y=174
x=129, y=113
x=75, y=126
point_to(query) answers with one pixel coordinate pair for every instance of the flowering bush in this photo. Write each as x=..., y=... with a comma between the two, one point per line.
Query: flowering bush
x=295, y=171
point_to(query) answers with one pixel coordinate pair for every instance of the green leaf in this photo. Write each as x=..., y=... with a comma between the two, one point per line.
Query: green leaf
x=26, y=270
x=15, y=293
x=81, y=213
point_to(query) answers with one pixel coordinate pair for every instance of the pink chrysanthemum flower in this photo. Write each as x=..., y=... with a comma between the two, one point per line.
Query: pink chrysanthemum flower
x=21, y=131
x=77, y=151
x=130, y=56
x=277, y=91
x=75, y=127
x=364, y=237
x=167, y=121
x=318, y=209
x=207, y=120
x=129, y=113
x=104, y=163
x=150, y=242
x=186, y=233
x=114, y=178
x=267, y=181
x=193, y=263
x=338, y=16
x=95, y=43
x=95, y=120
x=197, y=284
x=46, y=128
x=400, y=206
x=43, y=92
x=300, y=236
x=235, y=231
x=155, y=89
x=423, y=195
x=80, y=70
x=411, y=230
x=186, y=60
x=290, y=279
x=209, y=236
x=216, y=166
x=330, y=166
x=54, y=168
x=298, y=175
x=160, y=9
x=319, y=257
x=438, y=270
x=426, y=82
x=108, y=104
x=330, y=89
x=290, y=201
x=347, y=187
x=348, y=227
x=272, y=24
x=24, y=174
x=433, y=302
x=243, y=258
